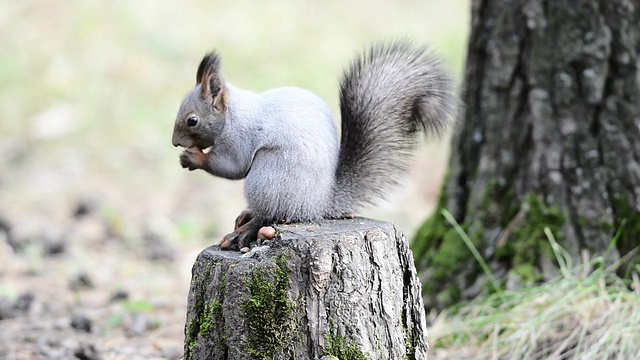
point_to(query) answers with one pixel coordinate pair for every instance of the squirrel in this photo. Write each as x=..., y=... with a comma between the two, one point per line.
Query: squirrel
x=284, y=141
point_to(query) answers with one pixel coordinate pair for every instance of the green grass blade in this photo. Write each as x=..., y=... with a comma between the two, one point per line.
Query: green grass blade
x=494, y=283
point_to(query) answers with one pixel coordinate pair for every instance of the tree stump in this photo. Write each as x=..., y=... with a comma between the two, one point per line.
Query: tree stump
x=345, y=289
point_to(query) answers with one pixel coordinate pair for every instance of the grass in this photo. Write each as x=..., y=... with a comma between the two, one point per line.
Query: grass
x=476, y=254
x=588, y=312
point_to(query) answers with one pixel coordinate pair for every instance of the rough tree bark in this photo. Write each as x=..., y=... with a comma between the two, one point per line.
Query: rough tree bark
x=550, y=138
x=345, y=288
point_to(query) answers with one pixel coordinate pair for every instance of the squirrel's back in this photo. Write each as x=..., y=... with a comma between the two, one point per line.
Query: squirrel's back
x=387, y=97
x=291, y=176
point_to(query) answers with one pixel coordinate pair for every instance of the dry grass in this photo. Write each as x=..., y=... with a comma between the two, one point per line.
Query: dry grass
x=593, y=317
x=587, y=313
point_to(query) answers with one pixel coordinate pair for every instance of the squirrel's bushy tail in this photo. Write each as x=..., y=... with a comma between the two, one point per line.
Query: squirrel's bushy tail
x=387, y=97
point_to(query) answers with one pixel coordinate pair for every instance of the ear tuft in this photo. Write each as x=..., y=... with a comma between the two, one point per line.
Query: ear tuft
x=213, y=89
x=210, y=64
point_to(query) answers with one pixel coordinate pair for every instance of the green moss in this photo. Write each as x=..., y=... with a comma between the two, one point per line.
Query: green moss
x=410, y=351
x=430, y=232
x=451, y=256
x=192, y=329
x=209, y=325
x=268, y=312
x=445, y=255
x=190, y=336
x=408, y=345
x=528, y=240
x=528, y=273
x=216, y=317
x=407, y=333
x=207, y=321
x=216, y=311
x=437, y=246
x=223, y=283
x=211, y=318
x=342, y=349
x=499, y=204
x=450, y=294
x=625, y=211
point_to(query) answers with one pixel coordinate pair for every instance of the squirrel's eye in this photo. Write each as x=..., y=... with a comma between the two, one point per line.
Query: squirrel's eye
x=192, y=121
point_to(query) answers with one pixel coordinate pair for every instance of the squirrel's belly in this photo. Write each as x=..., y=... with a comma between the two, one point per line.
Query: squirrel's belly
x=293, y=189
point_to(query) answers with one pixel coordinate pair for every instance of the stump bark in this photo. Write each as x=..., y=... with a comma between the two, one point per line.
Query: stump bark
x=345, y=289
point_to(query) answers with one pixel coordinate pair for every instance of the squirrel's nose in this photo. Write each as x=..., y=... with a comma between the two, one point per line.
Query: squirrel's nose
x=175, y=140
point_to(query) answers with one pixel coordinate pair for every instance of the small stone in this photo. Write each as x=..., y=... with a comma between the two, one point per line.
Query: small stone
x=157, y=248
x=15, y=241
x=7, y=310
x=11, y=309
x=5, y=227
x=81, y=322
x=245, y=250
x=139, y=325
x=119, y=295
x=86, y=351
x=83, y=208
x=81, y=281
x=24, y=301
x=53, y=243
x=172, y=352
x=50, y=347
x=54, y=247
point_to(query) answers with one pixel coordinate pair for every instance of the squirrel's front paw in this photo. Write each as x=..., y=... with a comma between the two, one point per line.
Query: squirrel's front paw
x=193, y=158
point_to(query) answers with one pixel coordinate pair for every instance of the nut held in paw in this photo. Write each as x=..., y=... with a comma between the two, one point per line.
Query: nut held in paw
x=266, y=233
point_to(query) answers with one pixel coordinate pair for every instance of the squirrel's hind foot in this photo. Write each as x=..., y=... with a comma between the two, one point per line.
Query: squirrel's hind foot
x=244, y=217
x=244, y=234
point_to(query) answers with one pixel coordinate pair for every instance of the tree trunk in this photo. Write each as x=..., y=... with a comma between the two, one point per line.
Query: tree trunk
x=345, y=288
x=550, y=138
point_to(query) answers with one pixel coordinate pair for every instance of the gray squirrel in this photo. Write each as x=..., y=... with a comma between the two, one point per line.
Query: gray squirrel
x=284, y=142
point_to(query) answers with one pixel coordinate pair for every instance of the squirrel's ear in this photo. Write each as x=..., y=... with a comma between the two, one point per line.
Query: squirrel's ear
x=209, y=76
x=210, y=60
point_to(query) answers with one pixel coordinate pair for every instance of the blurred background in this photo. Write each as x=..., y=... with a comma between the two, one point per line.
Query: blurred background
x=99, y=225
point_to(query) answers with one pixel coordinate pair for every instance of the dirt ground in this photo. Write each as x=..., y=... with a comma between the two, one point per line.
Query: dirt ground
x=78, y=289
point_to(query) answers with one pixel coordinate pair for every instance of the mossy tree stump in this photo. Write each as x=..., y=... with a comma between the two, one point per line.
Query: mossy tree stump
x=344, y=288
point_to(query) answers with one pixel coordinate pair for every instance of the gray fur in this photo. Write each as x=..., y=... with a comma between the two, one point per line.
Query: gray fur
x=387, y=97
x=283, y=142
